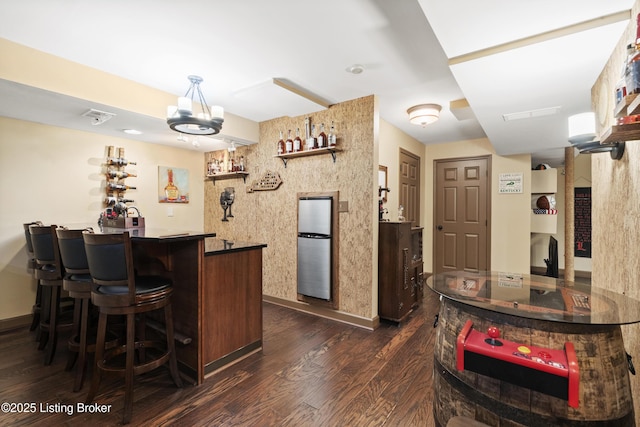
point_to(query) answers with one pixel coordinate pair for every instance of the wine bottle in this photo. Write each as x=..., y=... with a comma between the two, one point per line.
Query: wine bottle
x=119, y=174
x=170, y=190
x=289, y=143
x=332, y=135
x=110, y=200
x=281, y=146
x=322, y=137
x=120, y=187
x=297, y=142
x=314, y=140
x=119, y=161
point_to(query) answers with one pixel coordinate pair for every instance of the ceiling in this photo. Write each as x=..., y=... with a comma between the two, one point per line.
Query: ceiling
x=500, y=56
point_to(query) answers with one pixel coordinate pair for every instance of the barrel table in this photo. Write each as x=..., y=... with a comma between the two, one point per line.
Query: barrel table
x=524, y=350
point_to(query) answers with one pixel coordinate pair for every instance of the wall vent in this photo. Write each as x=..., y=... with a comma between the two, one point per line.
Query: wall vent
x=98, y=117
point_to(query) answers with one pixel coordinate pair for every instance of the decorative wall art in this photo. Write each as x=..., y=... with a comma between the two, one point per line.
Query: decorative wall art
x=173, y=185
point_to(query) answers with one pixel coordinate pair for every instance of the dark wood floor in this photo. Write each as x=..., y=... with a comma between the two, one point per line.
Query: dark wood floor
x=311, y=372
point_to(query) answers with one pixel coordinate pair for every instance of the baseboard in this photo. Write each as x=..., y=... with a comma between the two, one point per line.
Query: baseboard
x=541, y=271
x=323, y=311
x=15, y=323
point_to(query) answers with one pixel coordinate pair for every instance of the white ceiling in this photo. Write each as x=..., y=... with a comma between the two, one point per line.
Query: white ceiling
x=405, y=46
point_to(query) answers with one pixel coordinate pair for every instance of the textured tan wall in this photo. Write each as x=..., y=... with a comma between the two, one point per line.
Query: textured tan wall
x=270, y=216
x=616, y=205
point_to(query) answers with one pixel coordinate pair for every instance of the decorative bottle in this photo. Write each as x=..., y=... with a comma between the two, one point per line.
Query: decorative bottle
x=314, y=139
x=297, y=142
x=289, y=143
x=322, y=137
x=281, y=146
x=171, y=191
x=332, y=135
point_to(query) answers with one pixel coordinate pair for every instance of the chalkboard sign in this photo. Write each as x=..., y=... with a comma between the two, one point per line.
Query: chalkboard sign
x=582, y=221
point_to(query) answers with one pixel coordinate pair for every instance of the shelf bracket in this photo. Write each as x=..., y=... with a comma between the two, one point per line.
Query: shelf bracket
x=284, y=160
x=333, y=154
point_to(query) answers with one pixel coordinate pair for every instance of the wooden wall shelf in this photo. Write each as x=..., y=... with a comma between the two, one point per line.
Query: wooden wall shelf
x=621, y=133
x=306, y=153
x=229, y=175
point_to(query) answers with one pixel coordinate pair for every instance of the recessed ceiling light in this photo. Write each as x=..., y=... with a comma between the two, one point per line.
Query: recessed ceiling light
x=355, y=69
x=132, y=132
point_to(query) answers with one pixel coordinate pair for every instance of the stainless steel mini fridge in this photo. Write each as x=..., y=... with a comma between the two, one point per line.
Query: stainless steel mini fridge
x=314, y=246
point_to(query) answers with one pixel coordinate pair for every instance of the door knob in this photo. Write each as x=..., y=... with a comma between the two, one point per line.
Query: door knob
x=439, y=228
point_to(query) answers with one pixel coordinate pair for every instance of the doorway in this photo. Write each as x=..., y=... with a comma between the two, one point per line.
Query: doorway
x=462, y=215
x=410, y=186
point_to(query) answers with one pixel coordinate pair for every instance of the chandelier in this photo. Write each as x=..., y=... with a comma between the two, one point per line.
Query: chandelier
x=181, y=118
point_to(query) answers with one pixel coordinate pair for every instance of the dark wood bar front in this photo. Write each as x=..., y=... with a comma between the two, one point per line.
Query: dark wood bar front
x=217, y=299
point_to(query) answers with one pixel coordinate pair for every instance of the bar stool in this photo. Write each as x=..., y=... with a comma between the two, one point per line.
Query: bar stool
x=77, y=282
x=48, y=271
x=31, y=266
x=118, y=291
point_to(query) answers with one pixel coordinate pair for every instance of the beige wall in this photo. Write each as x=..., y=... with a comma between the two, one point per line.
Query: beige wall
x=392, y=140
x=55, y=175
x=616, y=204
x=509, y=238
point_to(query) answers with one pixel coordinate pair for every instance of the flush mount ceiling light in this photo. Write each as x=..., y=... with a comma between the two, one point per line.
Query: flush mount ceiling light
x=424, y=114
x=182, y=118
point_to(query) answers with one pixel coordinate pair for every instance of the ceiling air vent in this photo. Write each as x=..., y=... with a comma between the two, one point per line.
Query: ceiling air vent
x=98, y=117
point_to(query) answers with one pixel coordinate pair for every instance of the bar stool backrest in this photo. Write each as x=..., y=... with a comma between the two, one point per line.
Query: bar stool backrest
x=110, y=260
x=27, y=235
x=42, y=244
x=72, y=251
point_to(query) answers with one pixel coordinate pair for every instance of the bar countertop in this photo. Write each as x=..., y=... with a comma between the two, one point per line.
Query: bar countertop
x=214, y=246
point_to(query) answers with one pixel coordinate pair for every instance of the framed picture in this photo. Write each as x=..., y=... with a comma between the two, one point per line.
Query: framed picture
x=173, y=185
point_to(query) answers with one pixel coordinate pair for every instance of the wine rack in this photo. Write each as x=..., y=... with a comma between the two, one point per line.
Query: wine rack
x=117, y=208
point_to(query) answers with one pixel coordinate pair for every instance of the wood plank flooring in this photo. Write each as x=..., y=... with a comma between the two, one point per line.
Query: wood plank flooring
x=311, y=372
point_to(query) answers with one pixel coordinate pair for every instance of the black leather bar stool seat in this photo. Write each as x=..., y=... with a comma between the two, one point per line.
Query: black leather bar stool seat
x=77, y=282
x=48, y=271
x=31, y=266
x=118, y=291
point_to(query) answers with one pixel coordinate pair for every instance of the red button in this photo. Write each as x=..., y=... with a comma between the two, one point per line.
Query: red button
x=544, y=355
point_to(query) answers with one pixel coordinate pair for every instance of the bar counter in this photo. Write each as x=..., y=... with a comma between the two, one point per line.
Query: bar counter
x=217, y=299
x=531, y=351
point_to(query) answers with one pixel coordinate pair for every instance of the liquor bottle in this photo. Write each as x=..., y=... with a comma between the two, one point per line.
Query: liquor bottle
x=281, y=146
x=314, y=140
x=241, y=166
x=307, y=134
x=110, y=200
x=119, y=161
x=119, y=187
x=120, y=174
x=322, y=137
x=289, y=143
x=332, y=135
x=170, y=190
x=297, y=142
x=632, y=69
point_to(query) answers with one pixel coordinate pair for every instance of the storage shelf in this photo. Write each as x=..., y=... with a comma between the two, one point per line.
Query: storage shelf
x=306, y=153
x=228, y=175
x=621, y=133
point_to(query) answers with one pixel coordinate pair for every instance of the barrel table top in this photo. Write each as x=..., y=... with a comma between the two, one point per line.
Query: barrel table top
x=537, y=297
